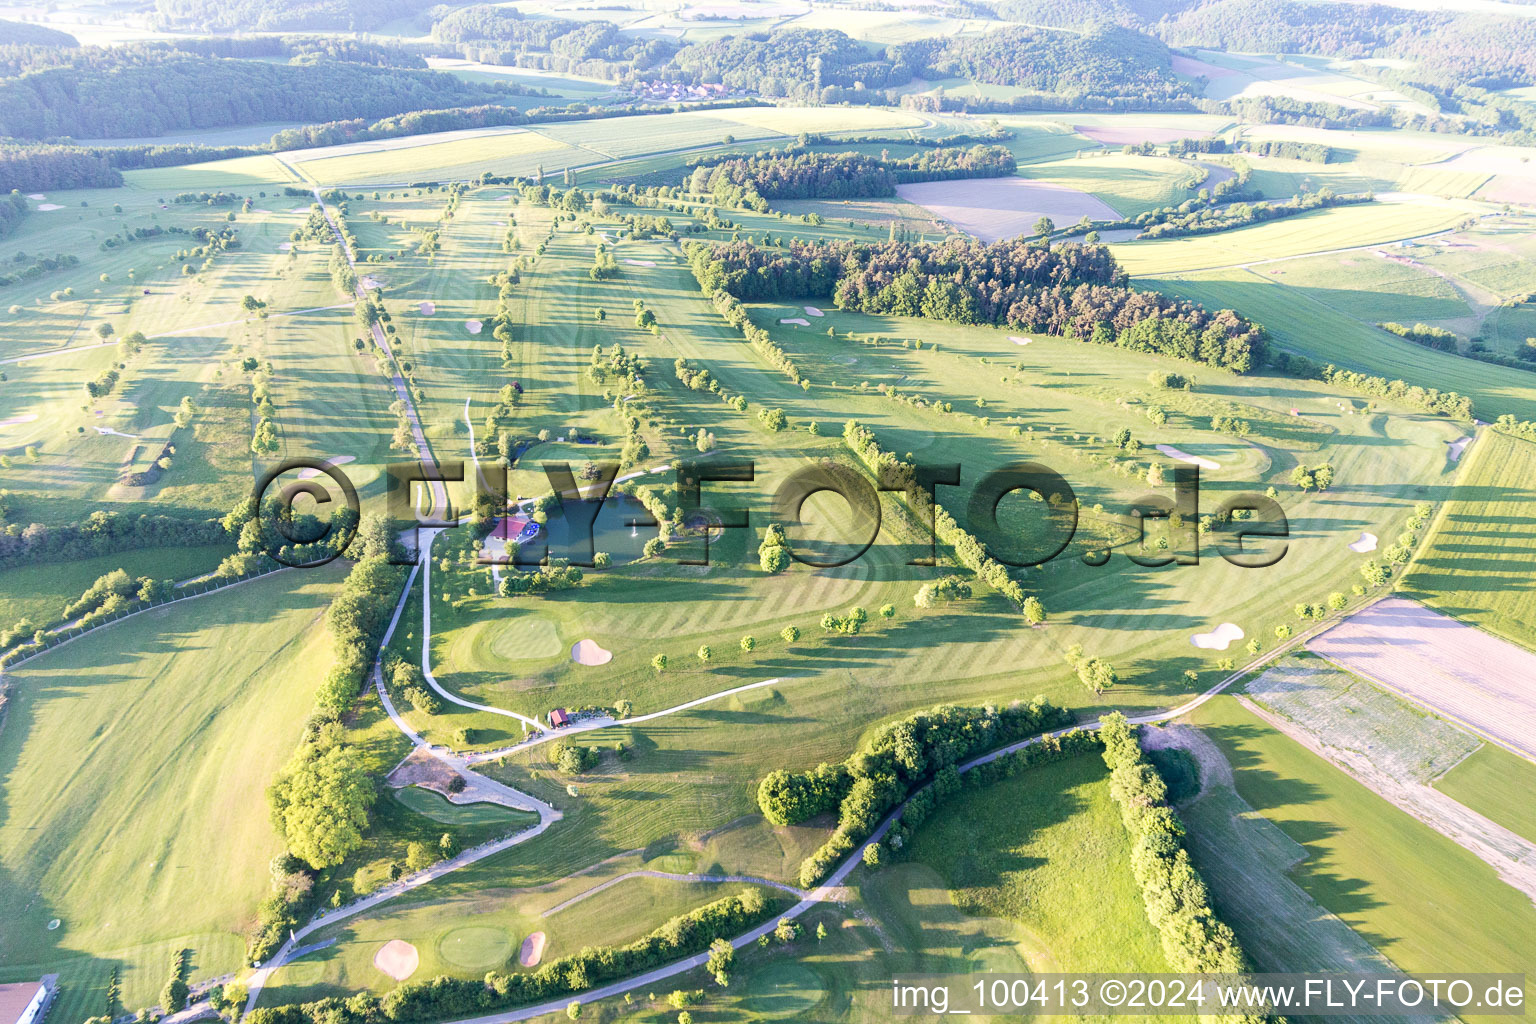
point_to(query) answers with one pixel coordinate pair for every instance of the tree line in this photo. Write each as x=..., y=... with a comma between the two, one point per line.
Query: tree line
x=748, y=182
x=900, y=758
x=1067, y=289
x=1194, y=938
x=139, y=90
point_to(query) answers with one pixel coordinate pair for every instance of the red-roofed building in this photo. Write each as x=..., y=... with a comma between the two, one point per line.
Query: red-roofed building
x=24, y=1002
x=559, y=718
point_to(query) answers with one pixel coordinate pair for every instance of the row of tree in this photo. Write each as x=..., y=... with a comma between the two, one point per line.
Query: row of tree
x=900, y=758
x=1210, y=220
x=1178, y=904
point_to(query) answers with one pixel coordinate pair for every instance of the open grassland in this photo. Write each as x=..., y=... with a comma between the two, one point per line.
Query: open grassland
x=1127, y=184
x=1416, y=896
x=1301, y=323
x=1342, y=227
x=1492, y=781
x=418, y=158
x=238, y=172
x=130, y=753
x=40, y=592
x=1478, y=561
x=1045, y=851
x=1371, y=286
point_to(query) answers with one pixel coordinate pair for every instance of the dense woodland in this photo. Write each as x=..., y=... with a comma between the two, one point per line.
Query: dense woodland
x=19, y=33
x=284, y=15
x=749, y=182
x=1107, y=62
x=501, y=35
x=146, y=90
x=1066, y=289
x=794, y=63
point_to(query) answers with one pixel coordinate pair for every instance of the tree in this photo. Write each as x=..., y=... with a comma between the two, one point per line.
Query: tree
x=748, y=643
x=773, y=559
x=104, y=330
x=722, y=957
x=623, y=708
x=1376, y=574
x=1034, y=611
x=659, y=663
x=447, y=845
x=821, y=931
x=685, y=1017
x=320, y=804
x=787, y=930
x=887, y=611
x=871, y=856
x=1045, y=226
x=173, y=998
x=418, y=857
x=790, y=634
x=573, y=1010
x=705, y=653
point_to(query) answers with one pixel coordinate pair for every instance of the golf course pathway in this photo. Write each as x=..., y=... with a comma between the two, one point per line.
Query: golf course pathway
x=478, y=789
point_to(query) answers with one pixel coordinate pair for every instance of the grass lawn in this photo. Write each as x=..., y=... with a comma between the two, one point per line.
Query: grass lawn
x=1300, y=322
x=134, y=762
x=513, y=151
x=40, y=592
x=1491, y=782
x=1478, y=562
x=1046, y=851
x=1418, y=897
x=1128, y=184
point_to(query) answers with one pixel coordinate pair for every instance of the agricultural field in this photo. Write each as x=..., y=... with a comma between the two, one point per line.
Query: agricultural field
x=1475, y=564
x=418, y=783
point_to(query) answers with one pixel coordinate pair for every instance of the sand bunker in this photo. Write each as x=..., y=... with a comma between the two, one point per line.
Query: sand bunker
x=1194, y=460
x=532, y=951
x=370, y=283
x=641, y=263
x=54, y=924
x=427, y=308
x=116, y=433
x=299, y=209
x=261, y=211
x=1367, y=542
x=1457, y=446
x=45, y=207
x=36, y=196
x=1018, y=339
x=1218, y=639
x=397, y=958
x=813, y=311
x=14, y=420
x=997, y=208
x=473, y=326
x=586, y=652
x=334, y=460
x=802, y=321
x=285, y=247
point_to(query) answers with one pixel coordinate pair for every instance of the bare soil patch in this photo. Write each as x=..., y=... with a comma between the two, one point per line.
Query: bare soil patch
x=424, y=770
x=532, y=951
x=397, y=958
x=997, y=208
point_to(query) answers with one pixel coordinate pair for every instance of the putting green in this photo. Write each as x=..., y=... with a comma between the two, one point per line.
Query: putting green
x=476, y=947
x=524, y=638
x=437, y=807
x=783, y=991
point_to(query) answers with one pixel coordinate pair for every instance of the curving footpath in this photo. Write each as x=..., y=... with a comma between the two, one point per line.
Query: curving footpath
x=478, y=788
